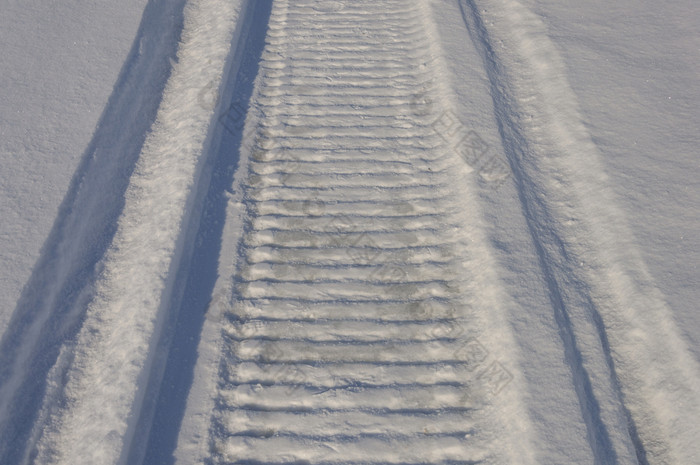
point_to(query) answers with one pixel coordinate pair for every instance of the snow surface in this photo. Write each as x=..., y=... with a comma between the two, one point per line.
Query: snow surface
x=635, y=70
x=59, y=63
x=332, y=231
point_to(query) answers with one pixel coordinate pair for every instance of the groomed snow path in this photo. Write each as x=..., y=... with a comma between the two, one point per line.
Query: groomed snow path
x=350, y=337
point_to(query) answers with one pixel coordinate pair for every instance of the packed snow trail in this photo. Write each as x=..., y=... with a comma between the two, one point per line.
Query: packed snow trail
x=304, y=269
x=352, y=336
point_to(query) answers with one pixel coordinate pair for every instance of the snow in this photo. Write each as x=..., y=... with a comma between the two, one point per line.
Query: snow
x=635, y=72
x=59, y=65
x=618, y=311
x=327, y=231
x=124, y=316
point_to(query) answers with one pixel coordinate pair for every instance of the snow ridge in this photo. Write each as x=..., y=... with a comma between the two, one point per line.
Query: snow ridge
x=113, y=348
x=49, y=313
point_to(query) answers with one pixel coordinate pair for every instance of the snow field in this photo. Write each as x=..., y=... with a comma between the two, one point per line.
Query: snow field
x=305, y=268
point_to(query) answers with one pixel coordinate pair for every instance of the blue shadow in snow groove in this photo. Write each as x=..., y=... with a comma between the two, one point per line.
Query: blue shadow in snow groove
x=54, y=298
x=171, y=396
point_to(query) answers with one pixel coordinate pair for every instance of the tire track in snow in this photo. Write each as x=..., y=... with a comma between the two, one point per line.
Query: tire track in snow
x=355, y=333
